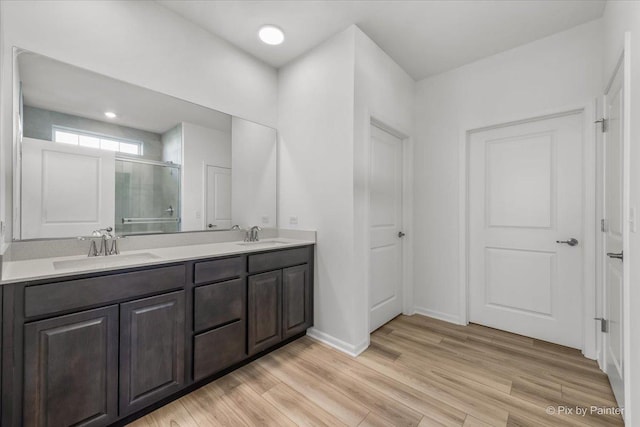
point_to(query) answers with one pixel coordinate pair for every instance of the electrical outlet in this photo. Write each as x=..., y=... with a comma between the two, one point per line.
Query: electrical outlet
x=198, y=215
x=265, y=220
x=293, y=220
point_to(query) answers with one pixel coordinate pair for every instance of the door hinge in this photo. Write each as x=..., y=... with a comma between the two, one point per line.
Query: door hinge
x=604, y=122
x=604, y=324
x=604, y=225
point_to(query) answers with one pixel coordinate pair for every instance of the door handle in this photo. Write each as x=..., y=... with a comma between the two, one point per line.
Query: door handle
x=604, y=324
x=570, y=242
x=401, y=234
x=211, y=226
x=613, y=255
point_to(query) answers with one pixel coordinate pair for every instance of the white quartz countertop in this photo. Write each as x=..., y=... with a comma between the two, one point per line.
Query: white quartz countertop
x=48, y=268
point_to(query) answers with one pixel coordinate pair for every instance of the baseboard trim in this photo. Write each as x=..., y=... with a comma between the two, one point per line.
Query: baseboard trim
x=438, y=315
x=338, y=344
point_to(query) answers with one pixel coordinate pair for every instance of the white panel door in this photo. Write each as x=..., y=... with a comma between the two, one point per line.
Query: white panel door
x=66, y=190
x=525, y=193
x=218, y=197
x=385, y=218
x=614, y=232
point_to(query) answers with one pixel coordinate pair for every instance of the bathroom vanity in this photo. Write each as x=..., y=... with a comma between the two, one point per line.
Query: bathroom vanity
x=102, y=347
x=94, y=341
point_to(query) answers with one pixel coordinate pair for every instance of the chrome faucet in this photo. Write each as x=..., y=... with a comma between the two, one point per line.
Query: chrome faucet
x=253, y=233
x=104, y=234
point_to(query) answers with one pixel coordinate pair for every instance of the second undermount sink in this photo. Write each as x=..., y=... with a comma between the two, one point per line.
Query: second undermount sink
x=264, y=243
x=104, y=261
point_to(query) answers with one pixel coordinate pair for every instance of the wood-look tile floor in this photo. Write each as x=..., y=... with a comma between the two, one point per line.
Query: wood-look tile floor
x=417, y=372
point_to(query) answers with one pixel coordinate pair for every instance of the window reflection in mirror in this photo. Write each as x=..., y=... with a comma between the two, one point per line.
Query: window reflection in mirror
x=99, y=152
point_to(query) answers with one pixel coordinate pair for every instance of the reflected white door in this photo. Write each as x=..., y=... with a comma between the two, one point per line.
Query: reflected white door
x=218, y=197
x=614, y=232
x=66, y=190
x=525, y=193
x=385, y=215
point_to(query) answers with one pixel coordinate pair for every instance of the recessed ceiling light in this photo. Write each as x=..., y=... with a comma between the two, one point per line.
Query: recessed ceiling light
x=110, y=114
x=270, y=34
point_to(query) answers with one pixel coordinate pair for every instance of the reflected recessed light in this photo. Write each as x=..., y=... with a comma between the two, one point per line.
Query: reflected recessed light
x=110, y=114
x=270, y=34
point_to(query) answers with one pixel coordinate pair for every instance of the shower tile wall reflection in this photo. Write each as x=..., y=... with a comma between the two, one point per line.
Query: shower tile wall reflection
x=147, y=197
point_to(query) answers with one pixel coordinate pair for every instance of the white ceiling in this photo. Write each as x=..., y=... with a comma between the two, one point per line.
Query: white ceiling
x=56, y=86
x=423, y=37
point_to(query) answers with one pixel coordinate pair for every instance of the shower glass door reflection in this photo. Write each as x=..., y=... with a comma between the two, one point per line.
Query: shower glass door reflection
x=147, y=197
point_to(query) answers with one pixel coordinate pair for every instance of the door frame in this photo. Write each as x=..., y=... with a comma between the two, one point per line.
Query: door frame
x=407, y=215
x=588, y=213
x=624, y=64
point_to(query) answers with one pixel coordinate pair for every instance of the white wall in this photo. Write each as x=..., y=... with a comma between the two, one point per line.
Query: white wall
x=200, y=146
x=551, y=74
x=621, y=16
x=315, y=131
x=326, y=100
x=140, y=42
x=254, y=174
x=385, y=92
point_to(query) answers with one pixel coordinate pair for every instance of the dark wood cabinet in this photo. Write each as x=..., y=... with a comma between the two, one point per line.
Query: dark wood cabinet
x=218, y=304
x=264, y=310
x=151, y=350
x=99, y=348
x=218, y=349
x=296, y=300
x=71, y=369
x=219, y=322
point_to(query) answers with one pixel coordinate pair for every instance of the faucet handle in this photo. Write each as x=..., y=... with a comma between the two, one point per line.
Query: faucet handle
x=102, y=232
x=114, y=245
x=93, y=249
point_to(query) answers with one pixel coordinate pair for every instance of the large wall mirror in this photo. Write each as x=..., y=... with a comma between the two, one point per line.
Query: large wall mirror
x=97, y=152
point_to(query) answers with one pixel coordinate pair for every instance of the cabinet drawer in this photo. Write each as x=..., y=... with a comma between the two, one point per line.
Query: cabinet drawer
x=218, y=303
x=74, y=294
x=278, y=259
x=218, y=349
x=219, y=269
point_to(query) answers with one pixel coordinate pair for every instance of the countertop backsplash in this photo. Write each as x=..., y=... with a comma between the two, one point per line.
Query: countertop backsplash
x=49, y=248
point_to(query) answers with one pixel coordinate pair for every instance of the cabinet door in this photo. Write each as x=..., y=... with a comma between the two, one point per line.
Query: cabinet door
x=71, y=369
x=296, y=301
x=151, y=350
x=265, y=310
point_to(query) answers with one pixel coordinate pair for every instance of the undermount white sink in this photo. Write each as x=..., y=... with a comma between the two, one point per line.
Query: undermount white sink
x=104, y=261
x=264, y=243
